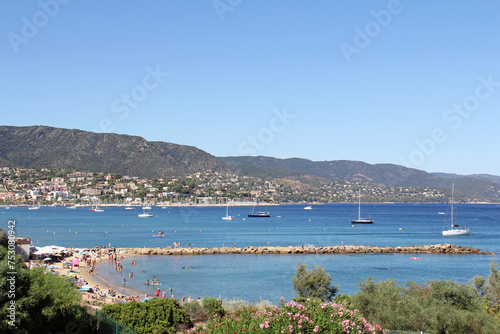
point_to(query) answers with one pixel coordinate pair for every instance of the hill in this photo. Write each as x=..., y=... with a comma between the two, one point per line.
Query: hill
x=70, y=149
x=387, y=175
x=48, y=147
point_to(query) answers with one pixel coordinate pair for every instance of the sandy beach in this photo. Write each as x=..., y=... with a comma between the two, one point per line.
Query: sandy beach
x=100, y=287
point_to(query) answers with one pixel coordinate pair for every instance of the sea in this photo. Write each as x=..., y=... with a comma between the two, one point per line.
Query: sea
x=254, y=277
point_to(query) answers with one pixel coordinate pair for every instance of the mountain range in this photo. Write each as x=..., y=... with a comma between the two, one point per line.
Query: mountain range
x=49, y=147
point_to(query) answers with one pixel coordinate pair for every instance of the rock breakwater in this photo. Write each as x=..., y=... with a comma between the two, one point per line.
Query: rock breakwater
x=344, y=249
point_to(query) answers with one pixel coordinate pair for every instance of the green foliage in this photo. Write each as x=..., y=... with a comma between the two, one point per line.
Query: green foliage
x=493, y=289
x=291, y=317
x=213, y=305
x=43, y=303
x=435, y=307
x=315, y=283
x=4, y=239
x=207, y=309
x=153, y=316
x=479, y=283
x=344, y=299
x=195, y=311
x=489, y=289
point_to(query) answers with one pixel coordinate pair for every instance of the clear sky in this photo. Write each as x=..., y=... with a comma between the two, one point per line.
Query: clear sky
x=415, y=83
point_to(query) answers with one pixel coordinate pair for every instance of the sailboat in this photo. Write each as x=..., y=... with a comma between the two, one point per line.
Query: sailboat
x=455, y=229
x=261, y=214
x=34, y=207
x=227, y=217
x=361, y=220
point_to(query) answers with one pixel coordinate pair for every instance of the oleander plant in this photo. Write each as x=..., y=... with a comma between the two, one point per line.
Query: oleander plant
x=312, y=316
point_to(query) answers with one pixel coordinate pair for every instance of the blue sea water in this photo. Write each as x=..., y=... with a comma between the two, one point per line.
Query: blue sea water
x=267, y=276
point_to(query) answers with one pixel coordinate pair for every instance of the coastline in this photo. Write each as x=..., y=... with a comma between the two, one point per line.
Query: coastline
x=100, y=284
x=240, y=204
x=96, y=279
x=97, y=283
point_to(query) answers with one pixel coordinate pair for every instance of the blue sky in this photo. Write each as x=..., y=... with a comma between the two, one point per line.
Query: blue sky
x=415, y=83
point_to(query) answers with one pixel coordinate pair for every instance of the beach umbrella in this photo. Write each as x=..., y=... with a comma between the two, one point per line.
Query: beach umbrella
x=51, y=267
x=142, y=301
x=47, y=259
x=66, y=263
x=71, y=274
x=84, y=288
x=75, y=262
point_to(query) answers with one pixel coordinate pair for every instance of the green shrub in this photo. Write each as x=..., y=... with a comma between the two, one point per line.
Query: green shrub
x=315, y=283
x=195, y=311
x=435, y=307
x=213, y=306
x=152, y=316
x=43, y=303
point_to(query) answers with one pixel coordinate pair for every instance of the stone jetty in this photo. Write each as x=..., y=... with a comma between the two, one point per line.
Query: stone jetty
x=347, y=249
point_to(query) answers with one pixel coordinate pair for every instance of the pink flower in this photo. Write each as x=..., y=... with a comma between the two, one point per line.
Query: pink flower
x=316, y=329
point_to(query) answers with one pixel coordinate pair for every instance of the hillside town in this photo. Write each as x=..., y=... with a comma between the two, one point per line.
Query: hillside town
x=63, y=187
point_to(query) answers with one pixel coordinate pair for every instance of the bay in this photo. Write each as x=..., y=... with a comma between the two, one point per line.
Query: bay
x=267, y=276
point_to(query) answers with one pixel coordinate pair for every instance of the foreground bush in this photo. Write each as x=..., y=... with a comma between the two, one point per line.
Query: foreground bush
x=153, y=316
x=313, y=316
x=312, y=284
x=434, y=307
x=32, y=301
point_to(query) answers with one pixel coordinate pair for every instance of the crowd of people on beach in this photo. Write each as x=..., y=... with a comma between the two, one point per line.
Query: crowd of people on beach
x=90, y=258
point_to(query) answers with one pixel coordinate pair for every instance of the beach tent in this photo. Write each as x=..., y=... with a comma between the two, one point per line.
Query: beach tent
x=48, y=250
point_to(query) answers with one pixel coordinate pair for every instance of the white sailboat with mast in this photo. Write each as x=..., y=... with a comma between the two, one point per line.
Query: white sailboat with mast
x=361, y=220
x=227, y=216
x=455, y=229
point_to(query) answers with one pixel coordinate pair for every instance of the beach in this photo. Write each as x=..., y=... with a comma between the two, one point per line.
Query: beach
x=100, y=290
x=253, y=252
x=92, y=267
